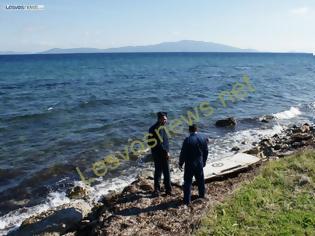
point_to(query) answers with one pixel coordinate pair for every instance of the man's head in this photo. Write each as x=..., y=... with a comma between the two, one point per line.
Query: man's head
x=162, y=117
x=193, y=128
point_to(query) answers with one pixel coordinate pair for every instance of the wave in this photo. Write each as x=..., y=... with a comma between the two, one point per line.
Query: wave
x=288, y=114
x=14, y=219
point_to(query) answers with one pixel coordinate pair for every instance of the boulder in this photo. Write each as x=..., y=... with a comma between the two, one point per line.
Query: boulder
x=299, y=137
x=266, y=118
x=305, y=128
x=235, y=149
x=229, y=122
x=54, y=222
x=253, y=151
x=77, y=192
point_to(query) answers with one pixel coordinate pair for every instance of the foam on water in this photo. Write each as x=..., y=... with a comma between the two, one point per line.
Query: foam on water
x=288, y=114
x=14, y=219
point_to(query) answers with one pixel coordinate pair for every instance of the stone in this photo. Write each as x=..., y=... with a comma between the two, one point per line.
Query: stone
x=77, y=192
x=305, y=128
x=300, y=137
x=304, y=180
x=266, y=118
x=229, y=122
x=235, y=149
x=253, y=151
x=268, y=151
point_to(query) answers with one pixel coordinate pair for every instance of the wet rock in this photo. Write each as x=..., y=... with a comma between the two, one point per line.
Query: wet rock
x=305, y=128
x=298, y=144
x=235, y=149
x=300, y=137
x=146, y=186
x=77, y=192
x=268, y=151
x=266, y=118
x=267, y=142
x=253, y=151
x=55, y=221
x=229, y=122
x=277, y=147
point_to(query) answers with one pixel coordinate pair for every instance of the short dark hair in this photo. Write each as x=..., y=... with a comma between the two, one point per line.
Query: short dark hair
x=193, y=128
x=161, y=114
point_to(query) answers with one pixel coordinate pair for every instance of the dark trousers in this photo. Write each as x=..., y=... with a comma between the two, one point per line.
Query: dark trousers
x=190, y=172
x=161, y=165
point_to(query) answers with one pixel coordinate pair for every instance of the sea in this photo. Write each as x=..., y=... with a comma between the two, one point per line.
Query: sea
x=66, y=111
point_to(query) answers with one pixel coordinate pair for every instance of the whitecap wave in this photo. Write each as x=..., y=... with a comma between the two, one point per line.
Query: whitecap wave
x=14, y=219
x=289, y=114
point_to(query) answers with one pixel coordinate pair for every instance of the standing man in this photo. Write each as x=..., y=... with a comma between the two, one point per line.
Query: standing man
x=194, y=154
x=160, y=153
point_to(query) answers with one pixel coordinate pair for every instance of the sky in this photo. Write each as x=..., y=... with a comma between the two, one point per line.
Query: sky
x=269, y=25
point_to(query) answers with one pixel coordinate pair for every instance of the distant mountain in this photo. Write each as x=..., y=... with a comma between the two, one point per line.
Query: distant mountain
x=72, y=50
x=10, y=53
x=179, y=46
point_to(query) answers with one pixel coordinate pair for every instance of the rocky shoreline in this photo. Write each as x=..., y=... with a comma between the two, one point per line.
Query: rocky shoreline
x=135, y=211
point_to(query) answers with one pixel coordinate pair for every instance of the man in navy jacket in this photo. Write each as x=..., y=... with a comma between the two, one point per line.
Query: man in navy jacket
x=160, y=153
x=194, y=154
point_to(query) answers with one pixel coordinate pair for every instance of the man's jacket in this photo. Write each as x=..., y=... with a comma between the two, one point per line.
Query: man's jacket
x=162, y=145
x=194, y=151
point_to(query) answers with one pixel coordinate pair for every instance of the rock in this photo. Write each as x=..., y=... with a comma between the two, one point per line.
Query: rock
x=235, y=149
x=77, y=192
x=253, y=151
x=146, y=186
x=267, y=142
x=284, y=154
x=304, y=180
x=54, y=222
x=277, y=147
x=266, y=118
x=300, y=137
x=229, y=122
x=305, y=128
x=268, y=151
x=284, y=146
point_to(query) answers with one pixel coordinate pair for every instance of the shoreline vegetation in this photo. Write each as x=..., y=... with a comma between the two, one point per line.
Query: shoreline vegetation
x=257, y=209
x=279, y=201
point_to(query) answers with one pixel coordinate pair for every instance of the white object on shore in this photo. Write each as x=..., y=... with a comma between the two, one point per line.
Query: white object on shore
x=221, y=167
x=229, y=164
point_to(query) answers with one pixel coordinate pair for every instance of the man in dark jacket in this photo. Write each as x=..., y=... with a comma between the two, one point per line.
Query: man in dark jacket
x=160, y=153
x=194, y=154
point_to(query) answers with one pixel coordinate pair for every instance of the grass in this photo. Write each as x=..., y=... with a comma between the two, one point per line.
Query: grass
x=279, y=201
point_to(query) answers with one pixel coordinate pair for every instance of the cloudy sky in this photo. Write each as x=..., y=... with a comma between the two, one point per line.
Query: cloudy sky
x=269, y=25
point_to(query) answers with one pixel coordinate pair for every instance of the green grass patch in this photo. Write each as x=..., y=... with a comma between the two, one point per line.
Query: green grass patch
x=279, y=201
